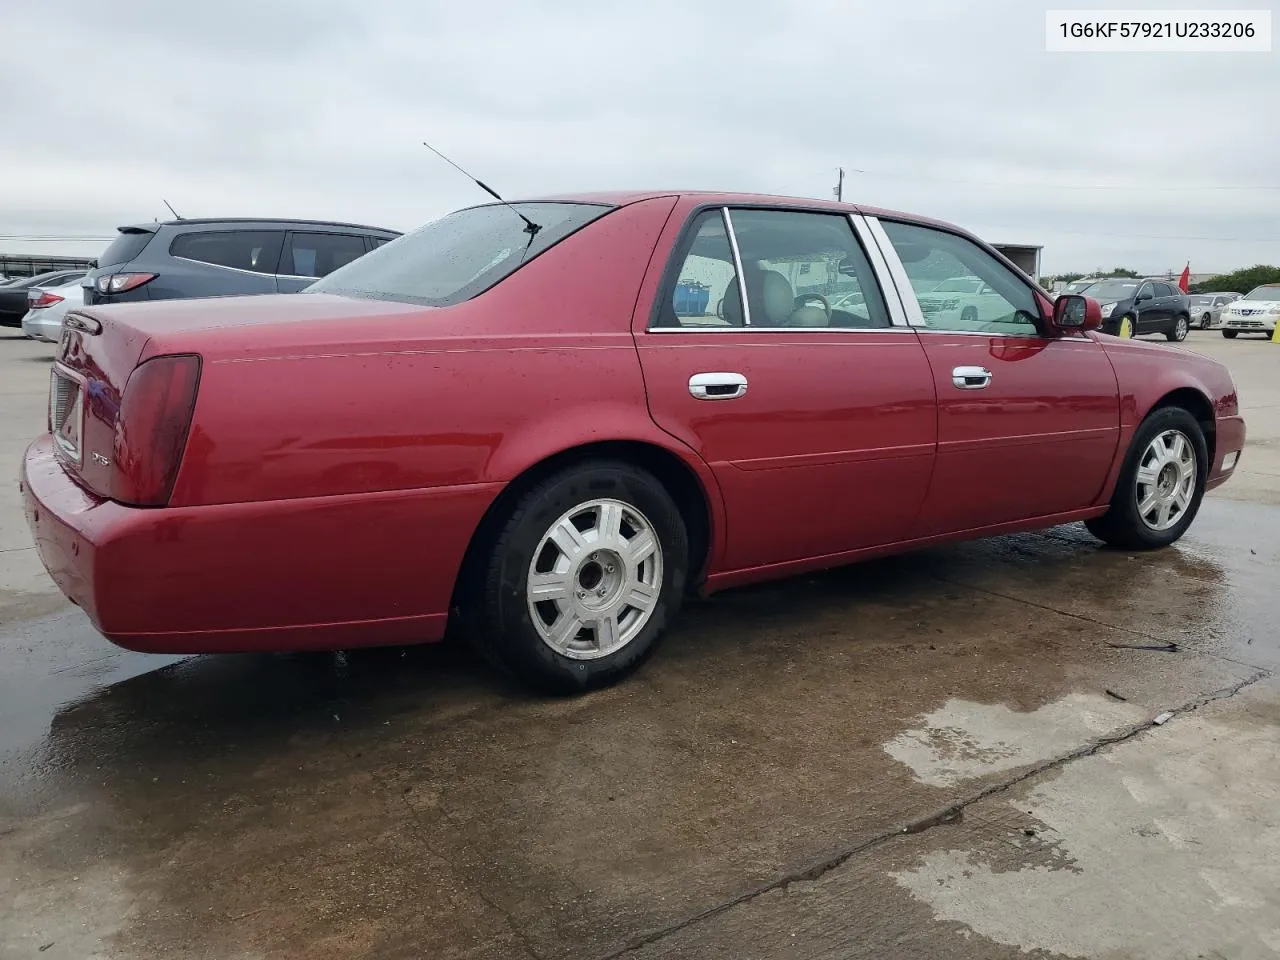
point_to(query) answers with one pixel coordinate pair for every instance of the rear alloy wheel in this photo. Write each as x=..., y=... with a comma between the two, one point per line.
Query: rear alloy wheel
x=1181, y=327
x=1230, y=334
x=583, y=577
x=1160, y=486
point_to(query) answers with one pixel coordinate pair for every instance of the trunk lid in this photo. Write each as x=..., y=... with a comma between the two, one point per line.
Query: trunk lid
x=101, y=347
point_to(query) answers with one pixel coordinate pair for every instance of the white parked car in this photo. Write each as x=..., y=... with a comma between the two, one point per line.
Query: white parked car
x=46, y=306
x=968, y=300
x=1256, y=312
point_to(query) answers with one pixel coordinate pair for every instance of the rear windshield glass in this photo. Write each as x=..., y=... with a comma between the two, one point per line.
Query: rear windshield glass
x=459, y=256
x=124, y=248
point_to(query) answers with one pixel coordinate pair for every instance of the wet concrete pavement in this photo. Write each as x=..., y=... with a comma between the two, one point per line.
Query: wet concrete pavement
x=948, y=754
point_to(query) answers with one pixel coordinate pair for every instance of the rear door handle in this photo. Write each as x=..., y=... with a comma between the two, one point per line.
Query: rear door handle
x=717, y=386
x=971, y=378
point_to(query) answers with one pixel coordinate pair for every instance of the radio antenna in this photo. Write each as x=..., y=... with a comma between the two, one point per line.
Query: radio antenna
x=530, y=227
x=176, y=214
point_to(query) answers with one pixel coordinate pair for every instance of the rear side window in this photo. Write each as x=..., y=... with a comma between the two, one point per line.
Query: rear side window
x=124, y=248
x=257, y=251
x=460, y=256
x=319, y=254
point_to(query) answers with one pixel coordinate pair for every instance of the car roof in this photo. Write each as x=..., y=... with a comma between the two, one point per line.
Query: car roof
x=223, y=221
x=623, y=197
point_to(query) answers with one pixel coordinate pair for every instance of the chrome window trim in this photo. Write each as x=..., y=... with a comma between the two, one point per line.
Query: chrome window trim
x=805, y=330
x=737, y=266
x=223, y=266
x=889, y=292
x=298, y=276
x=897, y=273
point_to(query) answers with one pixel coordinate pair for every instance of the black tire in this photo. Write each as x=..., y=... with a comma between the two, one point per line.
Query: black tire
x=1230, y=334
x=969, y=315
x=497, y=615
x=1181, y=327
x=1121, y=526
x=1205, y=322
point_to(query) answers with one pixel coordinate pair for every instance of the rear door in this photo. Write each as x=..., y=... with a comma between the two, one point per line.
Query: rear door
x=1171, y=304
x=817, y=421
x=1027, y=424
x=310, y=255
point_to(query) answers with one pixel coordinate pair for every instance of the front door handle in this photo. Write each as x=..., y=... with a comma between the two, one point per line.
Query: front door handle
x=717, y=386
x=971, y=378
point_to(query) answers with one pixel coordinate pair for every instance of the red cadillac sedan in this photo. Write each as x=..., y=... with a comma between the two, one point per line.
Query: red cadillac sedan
x=548, y=422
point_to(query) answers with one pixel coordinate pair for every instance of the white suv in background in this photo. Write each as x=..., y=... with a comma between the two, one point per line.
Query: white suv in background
x=1256, y=312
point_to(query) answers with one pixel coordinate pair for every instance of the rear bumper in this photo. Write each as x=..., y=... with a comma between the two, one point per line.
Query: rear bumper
x=320, y=573
x=38, y=326
x=1229, y=439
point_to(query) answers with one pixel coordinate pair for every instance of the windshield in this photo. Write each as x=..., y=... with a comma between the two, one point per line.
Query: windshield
x=1270, y=291
x=459, y=256
x=1078, y=286
x=1112, y=289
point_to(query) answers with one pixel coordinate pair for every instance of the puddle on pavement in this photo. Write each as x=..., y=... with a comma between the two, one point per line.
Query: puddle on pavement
x=963, y=741
x=1174, y=832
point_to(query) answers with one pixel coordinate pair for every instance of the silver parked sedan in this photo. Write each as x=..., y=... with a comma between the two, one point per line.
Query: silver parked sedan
x=1206, y=308
x=46, y=306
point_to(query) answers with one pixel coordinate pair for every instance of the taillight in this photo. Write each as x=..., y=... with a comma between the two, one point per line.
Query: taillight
x=151, y=430
x=45, y=299
x=122, y=282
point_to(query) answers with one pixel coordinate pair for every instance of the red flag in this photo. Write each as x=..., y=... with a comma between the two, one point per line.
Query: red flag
x=1184, y=281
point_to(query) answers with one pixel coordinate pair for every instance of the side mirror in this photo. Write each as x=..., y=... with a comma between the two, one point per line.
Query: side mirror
x=1073, y=313
x=1146, y=295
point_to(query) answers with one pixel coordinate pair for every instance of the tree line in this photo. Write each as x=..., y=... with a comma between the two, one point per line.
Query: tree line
x=1240, y=281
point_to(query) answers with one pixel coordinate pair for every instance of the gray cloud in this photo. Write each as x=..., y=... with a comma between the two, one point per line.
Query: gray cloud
x=317, y=108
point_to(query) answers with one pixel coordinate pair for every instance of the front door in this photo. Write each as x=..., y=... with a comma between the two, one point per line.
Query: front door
x=813, y=408
x=1152, y=307
x=1027, y=424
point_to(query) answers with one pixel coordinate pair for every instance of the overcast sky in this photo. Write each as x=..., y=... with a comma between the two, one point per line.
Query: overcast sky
x=316, y=108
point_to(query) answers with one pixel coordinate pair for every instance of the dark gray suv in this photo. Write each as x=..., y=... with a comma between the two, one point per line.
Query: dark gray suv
x=221, y=258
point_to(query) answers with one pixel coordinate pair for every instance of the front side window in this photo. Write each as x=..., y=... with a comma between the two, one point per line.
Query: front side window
x=1146, y=291
x=806, y=270
x=459, y=256
x=319, y=254
x=257, y=251
x=982, y=296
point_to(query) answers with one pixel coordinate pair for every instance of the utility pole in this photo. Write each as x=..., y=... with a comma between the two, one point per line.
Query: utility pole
x=839, y=190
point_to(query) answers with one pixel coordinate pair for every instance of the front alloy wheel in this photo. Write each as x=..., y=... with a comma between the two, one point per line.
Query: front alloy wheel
x=1165, y=481
x=1160, y=485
